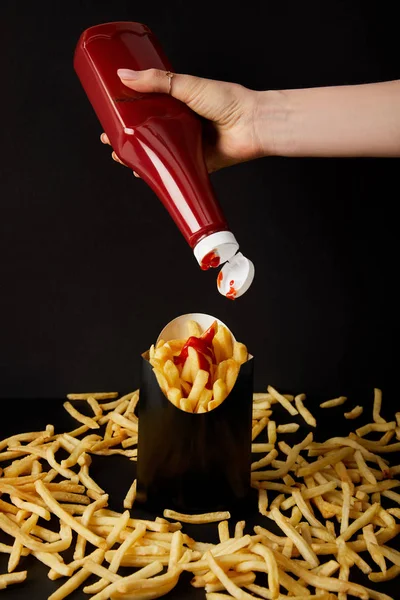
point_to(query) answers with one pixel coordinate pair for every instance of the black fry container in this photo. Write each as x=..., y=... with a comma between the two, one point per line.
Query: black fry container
x=194, y=462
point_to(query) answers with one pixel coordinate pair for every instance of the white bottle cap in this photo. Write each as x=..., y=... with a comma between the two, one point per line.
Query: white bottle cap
x=235, y=277
x=215, y=249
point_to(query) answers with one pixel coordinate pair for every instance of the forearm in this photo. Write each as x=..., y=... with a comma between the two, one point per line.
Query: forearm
x=358, y=120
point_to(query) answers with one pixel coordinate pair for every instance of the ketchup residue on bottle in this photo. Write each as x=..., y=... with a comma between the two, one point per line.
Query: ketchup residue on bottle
x=204, y=348
x=210, y=261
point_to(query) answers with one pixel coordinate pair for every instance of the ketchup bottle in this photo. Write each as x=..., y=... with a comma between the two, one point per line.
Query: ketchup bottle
x=160, y=138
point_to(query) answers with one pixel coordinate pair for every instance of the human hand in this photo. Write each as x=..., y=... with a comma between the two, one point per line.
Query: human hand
x=230, y=132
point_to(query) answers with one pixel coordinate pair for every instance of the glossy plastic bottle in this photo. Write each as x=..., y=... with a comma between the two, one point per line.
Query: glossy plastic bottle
x=160, y=138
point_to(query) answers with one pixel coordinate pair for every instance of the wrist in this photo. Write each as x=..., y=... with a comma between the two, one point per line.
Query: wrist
x=273, y=123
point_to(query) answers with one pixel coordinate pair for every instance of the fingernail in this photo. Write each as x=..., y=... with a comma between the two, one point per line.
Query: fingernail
x=128, y=74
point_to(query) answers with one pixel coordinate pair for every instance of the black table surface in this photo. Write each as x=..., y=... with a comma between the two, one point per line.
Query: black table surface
x=115, y=473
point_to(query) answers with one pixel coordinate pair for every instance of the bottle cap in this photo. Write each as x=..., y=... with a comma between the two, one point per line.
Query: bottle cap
x=235, y=277
x=215, y=249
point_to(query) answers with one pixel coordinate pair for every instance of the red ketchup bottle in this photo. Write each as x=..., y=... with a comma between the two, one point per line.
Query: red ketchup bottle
x=160, y=138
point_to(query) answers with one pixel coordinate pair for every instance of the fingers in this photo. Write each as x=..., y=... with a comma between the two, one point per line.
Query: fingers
x=105, y=140
x=117, y=159
x=201, y=95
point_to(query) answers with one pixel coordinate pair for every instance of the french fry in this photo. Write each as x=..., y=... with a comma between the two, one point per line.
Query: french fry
x=220, y=392
x=239, y=580
x=171, y=372
x=51, y=560
x=330, y=459
x=354, y=413
x=258, y=448
x=88, y=421
x=84, y=445
x=95, y=406
x=199, y=383
x=263, y=462
x=373, y=548
x=290, y=461
x=119, y=524
x=174, y=395
x=193, y=328
x=288, y=428
x=325, y=583
x=162, y=380
x=29, y=542
x=220, y=371
x=66, y=517
x=391, y=573
x=162, y=354
x=197, y=519
x=176, y=346
x=345, y=507
x=76, y=580
x=124, y=422
x=95, y=395
x=228, y=584
x=86, y=517
x=240, y=353
x=376, y=411
x=129, y=541
x=32, y=508
x=144, y=573
x=359, y=523
x=305, y=509
x=382, y=427
x=362, y=466
x=11, y=578
x=283, y=401
x=101, y=572
x=194, y=363
x=232, y=372
x=303, y=411
x=186, y=405
x=67, y=473
x=223, y=531
x=305, y=549
x=130, y=496
x=204, y=399
x=258, y=428
x=17, y=548
x=335, y=402
x=272, y=567
x=223, y=344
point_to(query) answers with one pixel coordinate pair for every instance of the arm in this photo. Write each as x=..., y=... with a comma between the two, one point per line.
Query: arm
x=337, y=121
x=357, y=120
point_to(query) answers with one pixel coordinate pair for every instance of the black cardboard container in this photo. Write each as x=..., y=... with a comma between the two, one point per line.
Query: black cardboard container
x=194, y=462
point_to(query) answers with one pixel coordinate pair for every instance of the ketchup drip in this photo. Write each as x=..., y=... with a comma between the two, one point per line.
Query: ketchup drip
x=231, y=294
x=210, y=261
x=204, y=348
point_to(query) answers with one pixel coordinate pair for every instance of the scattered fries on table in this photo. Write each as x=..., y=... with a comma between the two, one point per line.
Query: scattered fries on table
x=323, y=500
x=197, y=373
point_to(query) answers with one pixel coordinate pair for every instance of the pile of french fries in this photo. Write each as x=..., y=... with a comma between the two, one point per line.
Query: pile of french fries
x=188, y=386
x=325, y=509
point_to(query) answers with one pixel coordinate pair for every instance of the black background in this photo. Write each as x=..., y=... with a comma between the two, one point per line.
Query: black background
x=91, y=265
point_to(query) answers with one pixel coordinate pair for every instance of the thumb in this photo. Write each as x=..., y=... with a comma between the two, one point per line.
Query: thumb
x=201, y=95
